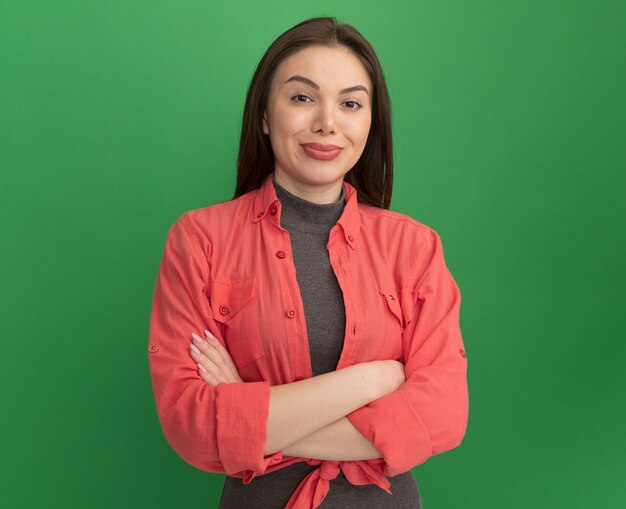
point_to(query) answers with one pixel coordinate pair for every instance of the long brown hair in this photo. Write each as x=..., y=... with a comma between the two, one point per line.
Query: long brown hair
x=372, y=175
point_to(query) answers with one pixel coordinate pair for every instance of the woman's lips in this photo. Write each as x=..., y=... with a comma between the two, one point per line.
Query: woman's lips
x=314, y=150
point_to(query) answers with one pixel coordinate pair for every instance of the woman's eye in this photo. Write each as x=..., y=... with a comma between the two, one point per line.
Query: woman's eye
x=353, y=105
x=298, y=96
x=302, y=98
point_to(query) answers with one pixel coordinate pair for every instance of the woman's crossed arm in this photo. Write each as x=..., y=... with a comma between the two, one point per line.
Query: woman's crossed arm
x=307, y=417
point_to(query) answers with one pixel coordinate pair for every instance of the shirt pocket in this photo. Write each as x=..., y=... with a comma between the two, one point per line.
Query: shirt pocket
x=394, y=325
x=234, y=305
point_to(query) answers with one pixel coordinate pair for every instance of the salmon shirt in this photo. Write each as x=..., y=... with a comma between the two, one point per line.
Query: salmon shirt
x=229, y=268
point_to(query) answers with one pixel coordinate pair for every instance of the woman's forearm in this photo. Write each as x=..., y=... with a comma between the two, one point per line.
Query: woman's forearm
x=339, y=441
x=301, y=408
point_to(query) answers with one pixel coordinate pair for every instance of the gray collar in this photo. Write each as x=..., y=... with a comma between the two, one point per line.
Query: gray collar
x=306, y=216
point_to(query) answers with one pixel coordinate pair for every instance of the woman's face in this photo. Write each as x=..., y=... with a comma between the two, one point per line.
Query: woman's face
x=318, y=95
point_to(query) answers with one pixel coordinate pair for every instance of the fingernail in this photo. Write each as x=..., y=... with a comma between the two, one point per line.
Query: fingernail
x=197, y=338
x=194, y=349
x=210, y=336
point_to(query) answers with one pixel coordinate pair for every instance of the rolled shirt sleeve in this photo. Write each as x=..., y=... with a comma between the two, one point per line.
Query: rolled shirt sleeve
x=218, y=429
x=428, y=414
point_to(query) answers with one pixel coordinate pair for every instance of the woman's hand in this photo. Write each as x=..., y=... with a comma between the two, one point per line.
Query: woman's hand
x=214, y=361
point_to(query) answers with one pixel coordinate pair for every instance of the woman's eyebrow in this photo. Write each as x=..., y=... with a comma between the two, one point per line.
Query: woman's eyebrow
x=311, y=83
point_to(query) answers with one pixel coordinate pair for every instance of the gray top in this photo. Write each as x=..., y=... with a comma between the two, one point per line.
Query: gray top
x=309, y=225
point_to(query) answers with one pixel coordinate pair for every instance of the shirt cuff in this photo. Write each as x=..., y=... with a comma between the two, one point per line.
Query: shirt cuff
x=395, y=430
x=241, y=411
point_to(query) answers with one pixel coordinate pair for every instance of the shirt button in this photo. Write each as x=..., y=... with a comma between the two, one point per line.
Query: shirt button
x=391, y=297
x=350, y=238
x=273, y=210
x=291, y=313
x=259, y=215
x=298, y=378
x=462, y=353
x=224, y=310
x=281, y=254
x=153, y=348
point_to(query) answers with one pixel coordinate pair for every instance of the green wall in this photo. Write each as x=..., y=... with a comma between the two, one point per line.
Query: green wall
x=509, y=131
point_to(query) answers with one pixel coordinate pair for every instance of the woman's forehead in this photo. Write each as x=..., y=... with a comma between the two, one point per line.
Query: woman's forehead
x=321, y=66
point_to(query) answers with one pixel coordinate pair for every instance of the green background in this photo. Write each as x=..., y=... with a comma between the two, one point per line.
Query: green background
x=509, y=132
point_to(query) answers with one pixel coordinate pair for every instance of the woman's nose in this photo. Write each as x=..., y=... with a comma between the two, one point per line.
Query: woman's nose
x=325, y=120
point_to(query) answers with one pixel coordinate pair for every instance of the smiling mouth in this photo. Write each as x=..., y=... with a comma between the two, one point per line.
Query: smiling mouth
x=321, y=155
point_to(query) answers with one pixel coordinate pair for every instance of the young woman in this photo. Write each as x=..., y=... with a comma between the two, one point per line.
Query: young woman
x=304, y=340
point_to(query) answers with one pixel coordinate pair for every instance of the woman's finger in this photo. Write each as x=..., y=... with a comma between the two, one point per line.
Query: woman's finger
x=210, y=352
x=214, y=369
x=221, y=366
x=228, y=361
x=207, y=377
x=218, y=347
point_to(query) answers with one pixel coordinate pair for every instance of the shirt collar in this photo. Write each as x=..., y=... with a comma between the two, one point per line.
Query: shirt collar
x=267, y=205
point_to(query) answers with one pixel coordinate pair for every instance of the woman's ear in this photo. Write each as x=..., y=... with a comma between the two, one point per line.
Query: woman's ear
x=266, y=129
